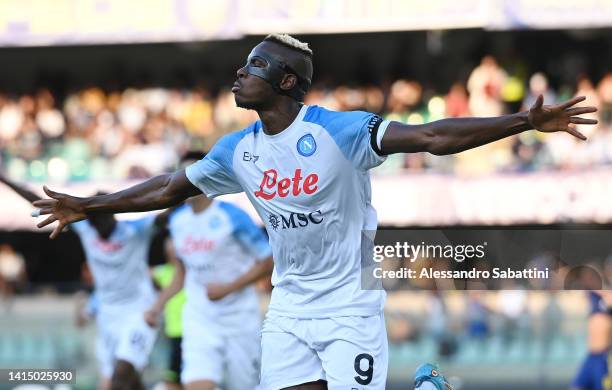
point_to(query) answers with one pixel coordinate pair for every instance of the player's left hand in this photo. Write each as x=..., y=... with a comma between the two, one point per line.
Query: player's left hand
x=560, y=117
x=217, y=291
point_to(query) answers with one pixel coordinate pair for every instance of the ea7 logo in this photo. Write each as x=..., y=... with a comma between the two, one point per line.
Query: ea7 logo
x=295, y=220
x=246, y=156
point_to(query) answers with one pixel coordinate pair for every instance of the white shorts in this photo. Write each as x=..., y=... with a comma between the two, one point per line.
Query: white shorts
x=123, y=337
x=350, y=353
x=209, y=353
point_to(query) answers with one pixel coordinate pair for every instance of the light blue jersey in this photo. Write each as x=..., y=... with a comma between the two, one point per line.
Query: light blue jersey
x=119, y=264
x=311, y=187
x=218, y=245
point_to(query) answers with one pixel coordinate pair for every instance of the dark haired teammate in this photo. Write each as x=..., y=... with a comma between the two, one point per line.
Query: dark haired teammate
x=305, y=169
x=117, y=254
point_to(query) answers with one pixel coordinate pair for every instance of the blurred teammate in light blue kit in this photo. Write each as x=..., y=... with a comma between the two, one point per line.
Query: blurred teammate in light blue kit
x=221, y=253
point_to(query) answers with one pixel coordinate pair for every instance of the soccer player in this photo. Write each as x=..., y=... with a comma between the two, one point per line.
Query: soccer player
x=221, y=252
x=117, y=254
x=305, y=169
x=594, y=374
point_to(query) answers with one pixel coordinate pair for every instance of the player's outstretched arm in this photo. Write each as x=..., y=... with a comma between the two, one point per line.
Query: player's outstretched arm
x=260, y=269
x=455, y=135
x=20, y=190
x=156, y=193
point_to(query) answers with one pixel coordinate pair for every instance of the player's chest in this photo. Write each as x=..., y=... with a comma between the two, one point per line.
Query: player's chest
x=203, y=252
x=300, y=170
x=199, y=238
x=113, y=250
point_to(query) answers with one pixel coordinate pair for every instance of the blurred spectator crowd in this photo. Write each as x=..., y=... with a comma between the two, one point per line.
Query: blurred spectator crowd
x=95, y=134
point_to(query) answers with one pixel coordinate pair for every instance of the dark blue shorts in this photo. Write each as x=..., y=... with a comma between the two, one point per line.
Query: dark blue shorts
x=593, y=372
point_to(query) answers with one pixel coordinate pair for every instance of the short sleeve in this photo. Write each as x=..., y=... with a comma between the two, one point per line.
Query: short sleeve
x=251, y=236
x=214, y=174
x=144, y=226
x=354, y=132
x=79, y=227
x=173, y=220
x=162, y=274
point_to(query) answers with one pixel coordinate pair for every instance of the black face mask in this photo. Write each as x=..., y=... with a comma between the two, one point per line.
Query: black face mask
x=274, y=71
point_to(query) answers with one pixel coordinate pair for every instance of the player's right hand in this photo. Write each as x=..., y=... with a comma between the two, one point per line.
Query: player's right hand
x=152, y=317
x=63, y=208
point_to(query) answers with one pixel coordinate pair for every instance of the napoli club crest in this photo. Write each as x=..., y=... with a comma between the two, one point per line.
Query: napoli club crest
x=214, y=222
x=306, y=145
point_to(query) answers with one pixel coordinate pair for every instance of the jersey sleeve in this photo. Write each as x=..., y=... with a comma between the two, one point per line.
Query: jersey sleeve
x=78, y=227
x=250, y=236
x=145, y=226
x=172, y=220
x=162, y=274
x=354, y=132
x=214, y=174
x=157, y=274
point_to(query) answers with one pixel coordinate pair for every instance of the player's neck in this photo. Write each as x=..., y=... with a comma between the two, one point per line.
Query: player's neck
x=280, y=116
